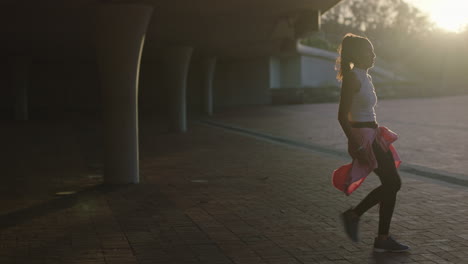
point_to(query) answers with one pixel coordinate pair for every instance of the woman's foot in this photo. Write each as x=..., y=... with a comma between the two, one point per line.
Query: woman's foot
x=389, y=245
x=351, y=224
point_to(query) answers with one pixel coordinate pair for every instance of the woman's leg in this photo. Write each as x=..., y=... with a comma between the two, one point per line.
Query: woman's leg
x=391, y=181
x=385, y=194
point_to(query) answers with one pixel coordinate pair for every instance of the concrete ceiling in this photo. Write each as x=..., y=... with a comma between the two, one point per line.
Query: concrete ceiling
x=56, y=30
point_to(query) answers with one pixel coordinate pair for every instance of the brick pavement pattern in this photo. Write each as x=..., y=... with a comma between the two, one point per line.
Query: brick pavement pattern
x=436, y=127
x=207, y=196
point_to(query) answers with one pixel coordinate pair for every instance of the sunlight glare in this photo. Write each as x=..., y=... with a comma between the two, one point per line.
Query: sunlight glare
x=450, y=15
x=451, y=20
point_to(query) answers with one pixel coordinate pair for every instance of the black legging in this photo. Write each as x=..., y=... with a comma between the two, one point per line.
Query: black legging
x=386, y=193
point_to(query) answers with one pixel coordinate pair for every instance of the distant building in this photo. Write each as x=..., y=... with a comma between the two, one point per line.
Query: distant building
x=309, y=76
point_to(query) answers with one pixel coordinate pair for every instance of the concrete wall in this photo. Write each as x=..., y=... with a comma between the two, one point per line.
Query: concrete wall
x=242, y=82
x=55, y=85
x=317, y=72
x=72, y=85
x=195, y=88
x=75, y=86
x=302, y=71
x=303, y=79
x=6, y=92
x=275, y=72
x=152, y=94
x=64, y=85
x=291, y=72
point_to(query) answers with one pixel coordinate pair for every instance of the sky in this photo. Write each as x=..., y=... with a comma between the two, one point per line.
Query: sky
x=451, y=15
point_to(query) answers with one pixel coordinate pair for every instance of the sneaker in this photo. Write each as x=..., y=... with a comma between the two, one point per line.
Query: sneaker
x=351, y=224
x=389, y=245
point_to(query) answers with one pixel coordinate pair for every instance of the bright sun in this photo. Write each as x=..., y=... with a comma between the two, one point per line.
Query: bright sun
x=451, y=15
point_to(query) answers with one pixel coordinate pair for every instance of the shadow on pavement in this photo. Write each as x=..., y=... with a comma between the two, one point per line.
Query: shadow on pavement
x=59, y=203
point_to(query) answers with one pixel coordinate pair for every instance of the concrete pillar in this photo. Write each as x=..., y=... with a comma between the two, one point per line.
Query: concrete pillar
x=208, y=68
x=176, y=64
x=121, y=30
x=20, y=67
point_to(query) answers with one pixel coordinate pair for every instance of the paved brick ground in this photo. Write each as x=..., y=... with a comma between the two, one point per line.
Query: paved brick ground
x=207, y=196
x=432, y=130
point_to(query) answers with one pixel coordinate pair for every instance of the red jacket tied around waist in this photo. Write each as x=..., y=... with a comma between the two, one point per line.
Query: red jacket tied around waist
x=349, y=177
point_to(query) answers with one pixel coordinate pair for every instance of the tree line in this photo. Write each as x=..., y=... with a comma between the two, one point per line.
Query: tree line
x=405, y=39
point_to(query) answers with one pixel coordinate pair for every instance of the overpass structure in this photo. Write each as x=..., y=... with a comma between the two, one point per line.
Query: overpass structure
x=122, y=56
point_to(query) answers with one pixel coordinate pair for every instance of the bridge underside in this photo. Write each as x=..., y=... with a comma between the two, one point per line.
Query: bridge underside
x=121, y=57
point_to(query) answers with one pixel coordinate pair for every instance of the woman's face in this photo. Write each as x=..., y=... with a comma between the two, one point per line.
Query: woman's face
x=367, y=57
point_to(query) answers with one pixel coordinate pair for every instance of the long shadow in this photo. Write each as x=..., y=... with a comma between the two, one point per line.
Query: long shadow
x=62, y=202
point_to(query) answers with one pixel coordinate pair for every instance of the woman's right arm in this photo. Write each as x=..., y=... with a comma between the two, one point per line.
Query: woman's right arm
x=349, y=86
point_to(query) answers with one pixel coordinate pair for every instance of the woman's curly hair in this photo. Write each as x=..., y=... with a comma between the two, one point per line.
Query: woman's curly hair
x=350, y=48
